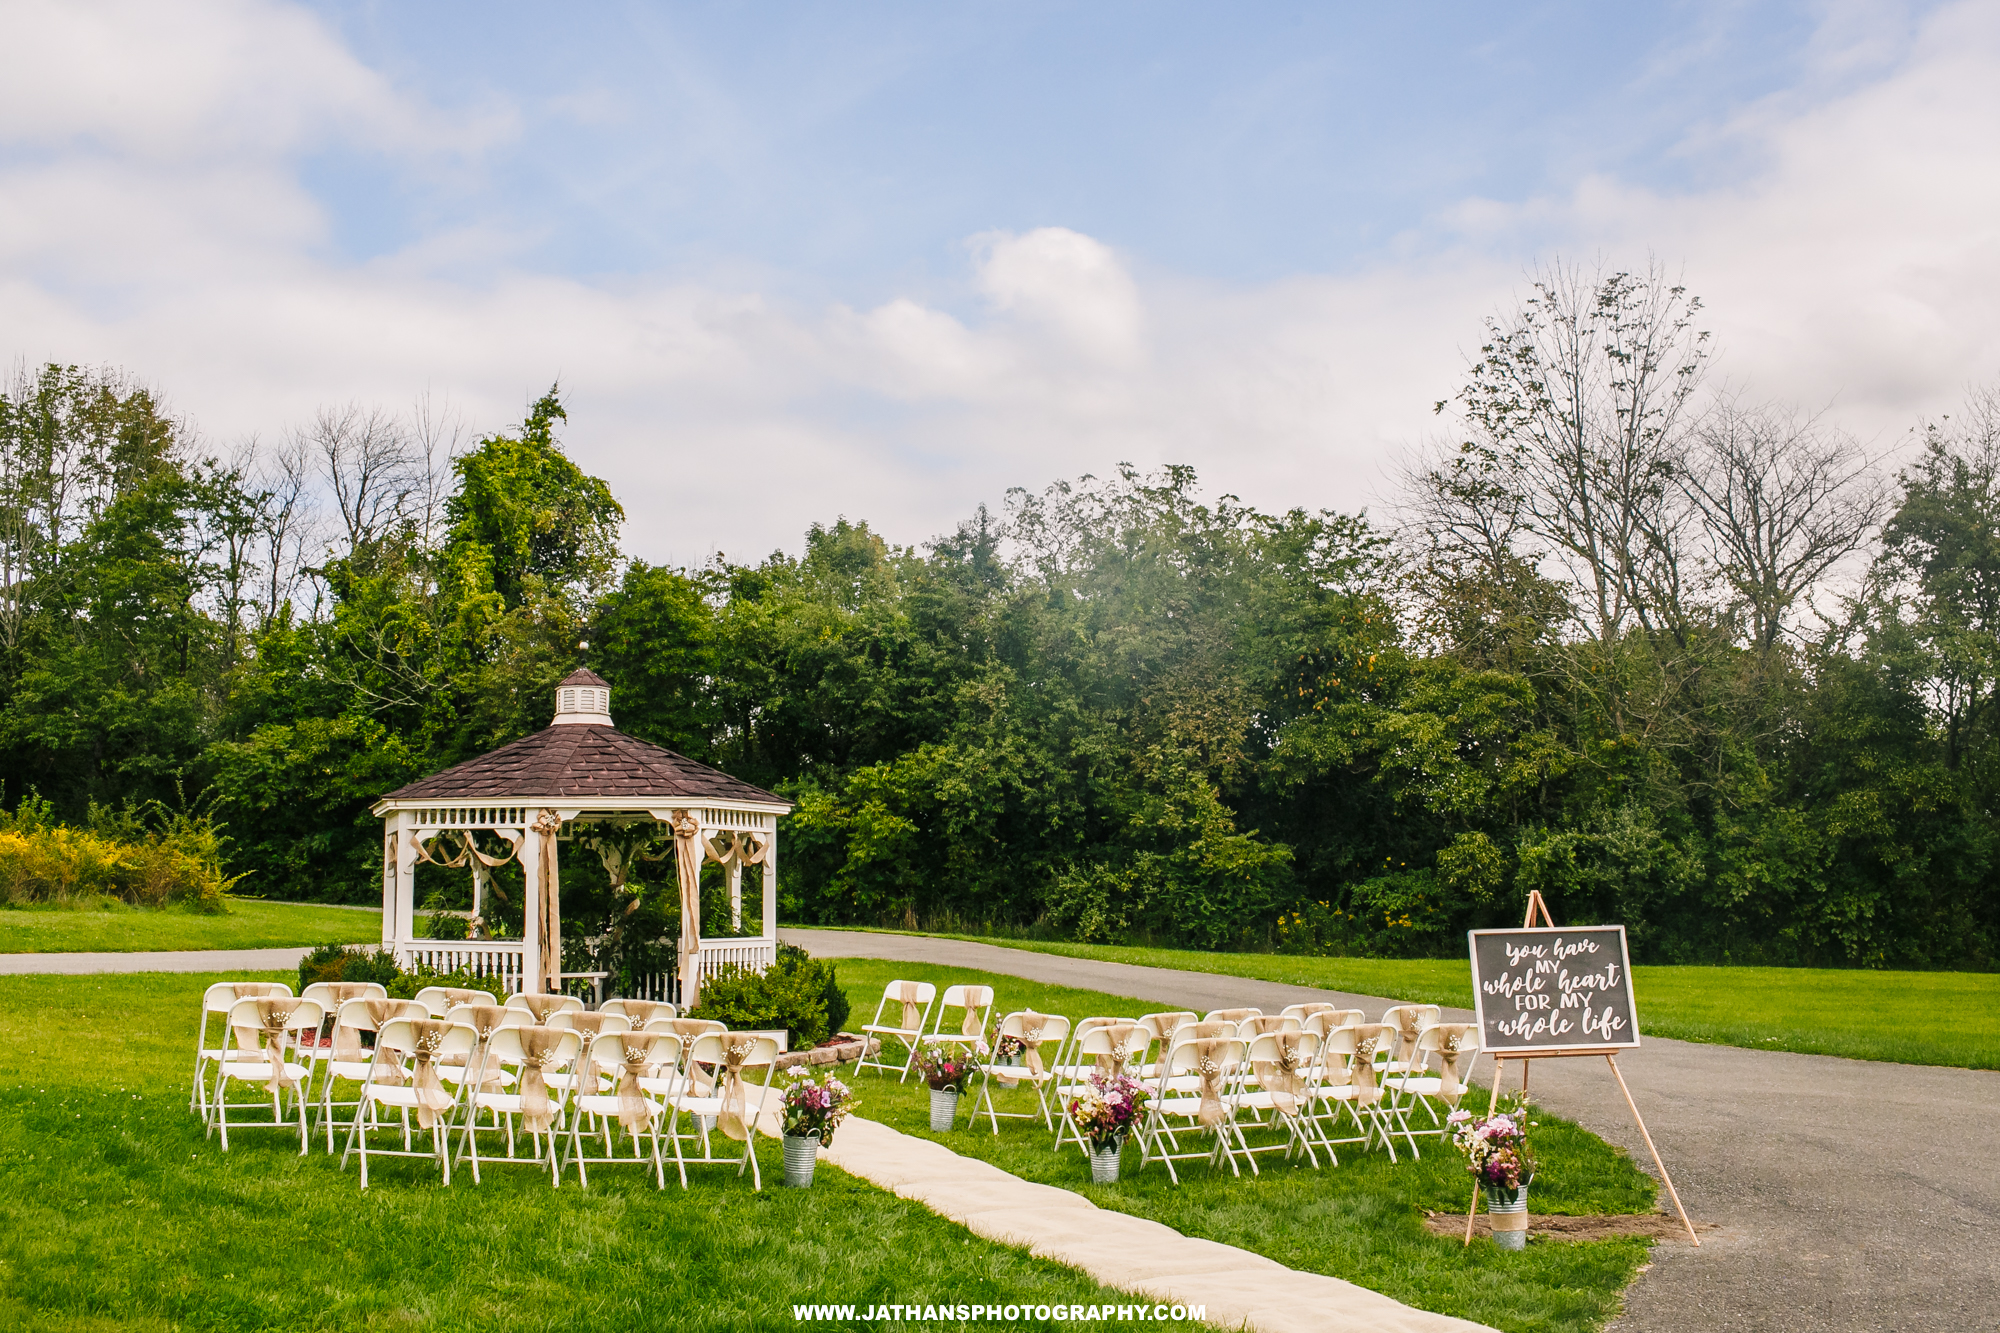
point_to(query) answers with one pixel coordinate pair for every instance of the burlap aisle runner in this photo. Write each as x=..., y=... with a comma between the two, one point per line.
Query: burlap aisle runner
x=1209, y=1055
x=1280, y=1077
x=538, y=1054
x=913, y=1017
x=429, y=1037
x=1122, y=1037
x=731, y=1116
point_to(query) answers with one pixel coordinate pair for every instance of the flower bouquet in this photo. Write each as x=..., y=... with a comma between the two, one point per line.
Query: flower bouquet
x=1009, y=1051
x=813, y=1107
x=947, y=1072
x=1497, y=1154
x=1105, y=1114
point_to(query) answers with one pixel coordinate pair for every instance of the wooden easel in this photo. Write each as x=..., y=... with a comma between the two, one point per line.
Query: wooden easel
x=1536, y=905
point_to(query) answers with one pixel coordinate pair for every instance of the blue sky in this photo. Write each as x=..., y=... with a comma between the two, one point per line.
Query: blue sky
x=890, y=260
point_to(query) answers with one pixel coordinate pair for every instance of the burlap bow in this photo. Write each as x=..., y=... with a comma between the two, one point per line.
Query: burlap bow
x=1366, y=1090
x=429, y=1036
x=732, y=1114
x=634, y=1057
x=1231, y=1015
x=273, y=1019
x=906, y=995
x=1124, y=1039
x=1209, y=1054
x=346, y=1039
x=975, y=1024
x=484, y=1019
x=691, y=1029
x=644, y=1013
x=1409, y=1023
x=1032, y=1024
x=1453, y=1038
x=1280, y=1077
x=538, y=1054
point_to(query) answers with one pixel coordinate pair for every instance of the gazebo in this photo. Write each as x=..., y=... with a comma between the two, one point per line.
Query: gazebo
x=580, y=777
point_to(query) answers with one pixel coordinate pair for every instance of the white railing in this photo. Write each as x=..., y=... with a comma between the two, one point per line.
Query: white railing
x=505, y=959
x=483, y=816
x=755, y=954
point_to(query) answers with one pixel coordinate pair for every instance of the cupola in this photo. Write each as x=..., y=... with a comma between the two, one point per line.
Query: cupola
x=583, y=697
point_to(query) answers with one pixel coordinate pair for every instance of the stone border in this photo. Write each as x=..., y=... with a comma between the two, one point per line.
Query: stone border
x=844, y=1052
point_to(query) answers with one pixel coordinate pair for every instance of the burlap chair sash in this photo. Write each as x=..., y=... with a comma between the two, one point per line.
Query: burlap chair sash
x=1232, y=1015
x=594, y=1024
x=1408, y=1024
x=1209, y=1055
x=690, y=1030
x=429, y=1034
x=1206, y=1031
x=1032, y=1026
x=273, y=1016
x=634, y=1057
x=484, y=1019
x=346, y=1039
x=540, y=1006
x=975, y=1024
x=644, y=1013
x=732, y=1116
x=1280, y=1077
x=456, y=995
x=1453, y=1038
x=1126, y=1039
x=390, y=1074
x=905, y=993
x=538, y=1055
x=1367, y=1091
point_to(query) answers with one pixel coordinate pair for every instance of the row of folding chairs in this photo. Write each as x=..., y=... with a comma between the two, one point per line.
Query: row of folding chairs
x=632, y=1065
x=1329, y=1065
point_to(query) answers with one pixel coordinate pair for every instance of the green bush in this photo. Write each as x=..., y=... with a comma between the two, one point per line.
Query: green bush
x=792, y=956
x=176, y=861
x=341, y=962
x=793, y=994
x=407, y=984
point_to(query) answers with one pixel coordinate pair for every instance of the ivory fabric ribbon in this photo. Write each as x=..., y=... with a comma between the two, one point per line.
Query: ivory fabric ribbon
x=538, y=1053
x=1209, y=1054
x=635, y=1058
x=429, y=1034
x=730, y=1116
x=1122, y=1036
x=273, y=1015
x=1454, y=1039
x=1280, y=1077
x=913, y=1017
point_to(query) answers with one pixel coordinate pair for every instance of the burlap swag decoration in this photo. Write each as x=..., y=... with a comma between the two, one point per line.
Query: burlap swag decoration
x=913, y=1016
x=429, y=1036
x=1125, y=1039
x=1367, y=1041
x=1209, y=1054
x=730, y=1116
x=1280, y=1077
x=687, y=864
x=467, y=850
x=634, y=1059
x=538, y=1055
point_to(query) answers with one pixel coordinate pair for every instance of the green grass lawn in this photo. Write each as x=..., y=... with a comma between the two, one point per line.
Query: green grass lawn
x=1863, y=1015
x=118, y=1215
x=1361, y=1220
x=248, y=924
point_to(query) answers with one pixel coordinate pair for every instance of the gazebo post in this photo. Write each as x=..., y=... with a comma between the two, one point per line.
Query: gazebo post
x=770, y=931
x=399, y=880
x=531, y=911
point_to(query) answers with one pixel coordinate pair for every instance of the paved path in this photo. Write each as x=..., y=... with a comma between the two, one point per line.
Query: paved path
x=190, y=960
x=1849, y=1194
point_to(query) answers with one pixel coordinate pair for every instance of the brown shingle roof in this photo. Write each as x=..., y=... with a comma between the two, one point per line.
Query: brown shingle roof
x=581, y=761
x=583, y=676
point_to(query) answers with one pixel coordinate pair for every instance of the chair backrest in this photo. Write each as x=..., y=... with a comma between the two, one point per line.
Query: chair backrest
x=305, y=1014
x=1104, y=1041
x=1186, y=1054
x=969, y=1000
x=440, y=999
x=1258, y=1024
x=400, y=1036
x=354, y=1013
x=1054, y=1026
x=1164, y=1025
x=607, y=1049
x=562, y=1003
x=1384, y=1037
x=324, y=992
x=1266, y=1046
x=468, y=1015
x=1231, y=1015
x=1304, y=1011
x=590, y=1024
x=1409, y=1021
x=642, y=1013
x=1326, y=1020
x=712, y=1048
x=1433, y=1038
x=221, y=995
x=505, y=1046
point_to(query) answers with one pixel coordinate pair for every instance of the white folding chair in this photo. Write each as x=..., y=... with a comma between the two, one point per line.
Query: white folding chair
x=1409, y=1020
x=1034, y=1031
x=1352, y=1076
x=1278, y=1082
x=975, y=1005
x=722, y=1051
x=641, y=1013
x=1117, y=1047
x=266, y=1031
x=543, y=1007
x=1162, y=1027
x=1067, y=1067
x=624, y=1057
x=217, y=999
x=441, y=1000
x=586, y=1077
x=1455, y=1046
x=913, y=1008
x=1231, y=1015
x=1217, y=1069
x=347, y=1060
x=531, y=1054
x=418, y=1044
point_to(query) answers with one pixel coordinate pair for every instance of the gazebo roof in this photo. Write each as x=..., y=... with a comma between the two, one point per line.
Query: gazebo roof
x=583, y=762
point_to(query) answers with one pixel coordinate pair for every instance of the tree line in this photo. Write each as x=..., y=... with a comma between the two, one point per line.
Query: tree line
x=1676, y=659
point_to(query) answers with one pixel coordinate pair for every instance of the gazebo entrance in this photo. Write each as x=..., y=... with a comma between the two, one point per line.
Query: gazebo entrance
x=579, y=776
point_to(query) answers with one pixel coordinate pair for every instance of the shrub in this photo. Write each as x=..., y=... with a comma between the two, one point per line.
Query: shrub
x=791, y=994
x=340, y=962
x=176, y=861
x=792, y=956
x=407, y=984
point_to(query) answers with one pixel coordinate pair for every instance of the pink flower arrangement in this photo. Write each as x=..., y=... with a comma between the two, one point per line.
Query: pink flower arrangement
x=944, y=1070
x=815, y=1104
x=1108, y=1109
x=1495, y=1147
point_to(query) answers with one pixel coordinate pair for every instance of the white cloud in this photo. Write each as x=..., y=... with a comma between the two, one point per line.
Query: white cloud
x=165, y=228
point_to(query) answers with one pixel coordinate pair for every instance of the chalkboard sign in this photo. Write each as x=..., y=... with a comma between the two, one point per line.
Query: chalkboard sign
x=1544, y=989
